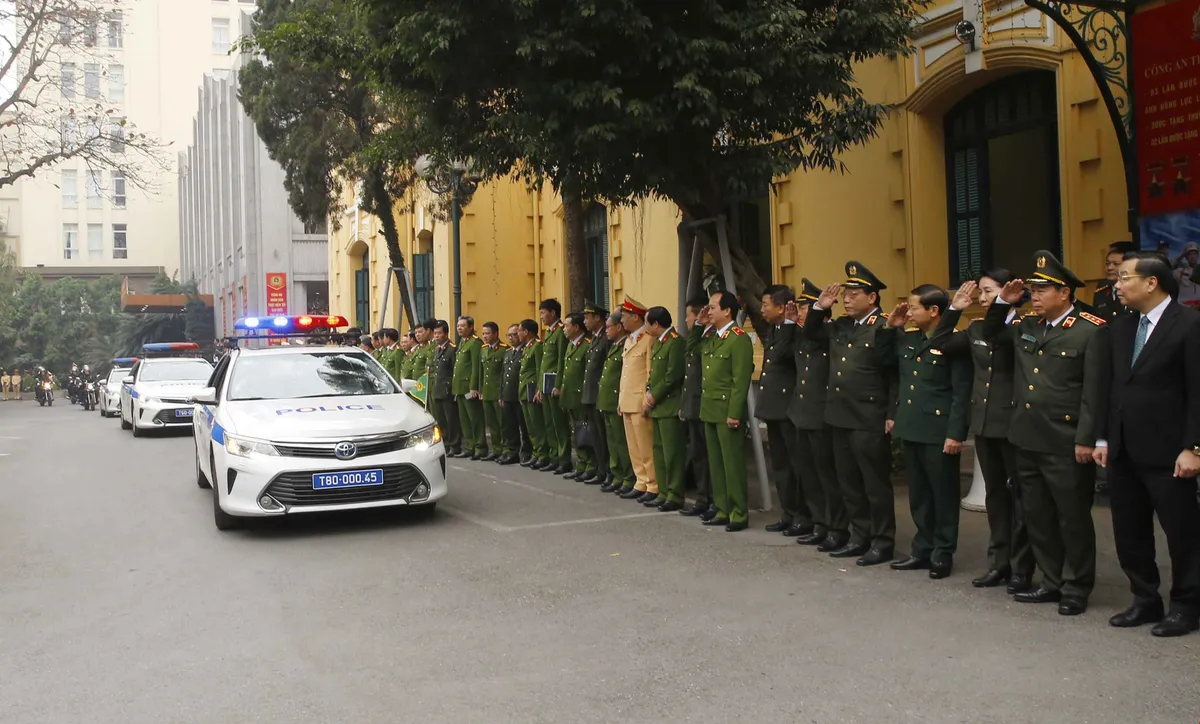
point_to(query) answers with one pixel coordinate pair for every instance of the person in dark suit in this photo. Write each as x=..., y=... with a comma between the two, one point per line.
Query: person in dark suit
x=1152, y=444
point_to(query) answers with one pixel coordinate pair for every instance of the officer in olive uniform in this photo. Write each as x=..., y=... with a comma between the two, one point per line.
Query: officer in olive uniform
x=861, y=407
x=554, y=352
x=593, y=319
x=467, y=378
x=570, y=394
x=620, y=467
x=728, y=359
x=932, y=420
x=424, y=353
x=517, y=447
x=668, y=358
x=776, y=385
x=1061, y=382
x=689, y=414
x=491, y=366
x=441, y=381
x=814, y=438
x=531, y=406
x=1010, y=558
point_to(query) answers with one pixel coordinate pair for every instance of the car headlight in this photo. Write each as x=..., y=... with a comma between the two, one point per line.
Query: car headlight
x=146, y=400
x=424, y=439
x=244, y=447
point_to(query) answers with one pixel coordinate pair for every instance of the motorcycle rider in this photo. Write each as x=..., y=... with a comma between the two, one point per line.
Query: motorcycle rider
x=87, y=388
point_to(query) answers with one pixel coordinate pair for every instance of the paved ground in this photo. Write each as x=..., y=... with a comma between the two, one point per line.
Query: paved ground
x=525, y=599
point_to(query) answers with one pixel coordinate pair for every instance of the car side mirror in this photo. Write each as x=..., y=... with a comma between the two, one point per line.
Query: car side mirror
x=409, y=386
x=127, y=381
x=206, y=396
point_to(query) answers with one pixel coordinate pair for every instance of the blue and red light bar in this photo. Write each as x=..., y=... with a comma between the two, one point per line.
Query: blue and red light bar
x=124, y=361
x=284, y=324
x=160, y=347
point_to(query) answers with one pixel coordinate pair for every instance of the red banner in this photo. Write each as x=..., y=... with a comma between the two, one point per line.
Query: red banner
x=1166, y=78
x=277, y=295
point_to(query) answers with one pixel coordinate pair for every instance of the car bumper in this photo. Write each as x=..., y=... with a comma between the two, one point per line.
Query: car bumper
x=161, y=414
x=110, y=402
x=284, y=484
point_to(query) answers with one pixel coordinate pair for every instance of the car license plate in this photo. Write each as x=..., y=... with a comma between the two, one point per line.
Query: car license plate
x=347, y=479
x=183, y=413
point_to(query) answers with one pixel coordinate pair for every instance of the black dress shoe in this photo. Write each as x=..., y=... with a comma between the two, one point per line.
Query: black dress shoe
x=578, y=476
x=670, y=507
x=565, y=471
x=490, y=457
x=1137, y=615
x=507, y=460
x=940, y=569
x=850, y=550
x=1176, y=624
x=594, y=480
x=717, y=521
x=632, y=494
x=654, y=502
x=874, y=557
x=1072, y=606
x=648, y=497
x=623, y=491
x=735, y=527
x=832, y=542
x=694, y=509
x=535, y=465
x=991, y=579
x=812, y=539
x=709, y=514
x=528, y=463
x=475, y=456
x=1019, y=583
x=609, y=487
x=1038, y=595
x=796, y=530
x=911, y=563
x=778, y=527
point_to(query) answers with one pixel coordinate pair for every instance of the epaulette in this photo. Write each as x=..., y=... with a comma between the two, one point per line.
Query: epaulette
x=1069, y=322
x=872, y=319
x=738, y=331
x=1092, y=318
x=1031, y=314
x=673, y=335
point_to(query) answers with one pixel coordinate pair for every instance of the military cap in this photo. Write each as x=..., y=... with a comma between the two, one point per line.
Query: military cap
x=593, y=308
x=860, y=277
x=809, y=292
x=1049, y=270
x=629, y=305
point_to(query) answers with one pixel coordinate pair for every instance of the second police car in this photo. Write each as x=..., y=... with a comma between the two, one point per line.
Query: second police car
x=156, y=394
x=302, y=429
x=110, y=389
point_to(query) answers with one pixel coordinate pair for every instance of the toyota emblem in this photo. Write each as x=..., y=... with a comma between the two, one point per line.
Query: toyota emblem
x=345, y=451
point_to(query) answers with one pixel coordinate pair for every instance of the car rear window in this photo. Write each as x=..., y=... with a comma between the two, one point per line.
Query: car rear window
x=308, y=374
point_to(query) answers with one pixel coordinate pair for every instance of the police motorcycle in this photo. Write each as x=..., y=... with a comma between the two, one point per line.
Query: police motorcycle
x=89, y=395
x=43, y=387
x=73, y=384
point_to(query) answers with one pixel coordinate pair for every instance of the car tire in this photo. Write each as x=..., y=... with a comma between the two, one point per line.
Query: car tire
x=223, y=520
x=137, y=431
x=121, y=412
x=201, y=478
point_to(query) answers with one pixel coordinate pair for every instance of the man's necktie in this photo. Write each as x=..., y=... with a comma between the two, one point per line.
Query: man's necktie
x=1139, y=340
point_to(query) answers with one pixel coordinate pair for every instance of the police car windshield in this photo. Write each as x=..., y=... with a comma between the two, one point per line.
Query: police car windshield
x=118, y=374
x=175, y=371
x=307, y=374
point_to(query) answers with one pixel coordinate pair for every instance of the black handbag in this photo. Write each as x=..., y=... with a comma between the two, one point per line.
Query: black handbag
x=583, y=435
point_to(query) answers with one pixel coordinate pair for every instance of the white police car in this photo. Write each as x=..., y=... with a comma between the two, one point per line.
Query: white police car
x=110, y=390
x=306, y=429
x=157, y=393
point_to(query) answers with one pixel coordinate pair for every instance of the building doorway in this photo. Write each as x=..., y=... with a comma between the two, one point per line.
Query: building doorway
x=423, y=285
x=595, y=241
x=362, y=293
x=1002, y=175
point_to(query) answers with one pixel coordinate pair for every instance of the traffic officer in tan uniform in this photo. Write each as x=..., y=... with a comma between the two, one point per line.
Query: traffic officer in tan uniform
x=635, y=371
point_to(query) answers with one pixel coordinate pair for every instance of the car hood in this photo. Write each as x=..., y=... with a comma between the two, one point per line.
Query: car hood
x=325, y=418
x=170, y=389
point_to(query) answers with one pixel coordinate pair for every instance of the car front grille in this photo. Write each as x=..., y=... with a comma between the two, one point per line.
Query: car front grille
x=175, y=400
x=296, y=488
x=168, y=417
x=325, y=450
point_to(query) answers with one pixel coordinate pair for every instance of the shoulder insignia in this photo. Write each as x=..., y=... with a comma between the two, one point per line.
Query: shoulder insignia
x=451, y=344
x=872, y=319
x=1030, y=314
x=1092, y=318
x=738, y=331
x=1016, y=320
x=674, y=334
x=1069, y=322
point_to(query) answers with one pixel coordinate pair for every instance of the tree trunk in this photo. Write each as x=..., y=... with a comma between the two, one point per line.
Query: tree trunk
x=577, y=262
x=381, y=204
x=746, y=278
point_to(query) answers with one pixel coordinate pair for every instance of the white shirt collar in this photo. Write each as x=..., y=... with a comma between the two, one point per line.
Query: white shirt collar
x=663, y=336
x=635, y=334
x=725, y=329
x=1156, y=314
x=576, y=340
x=1065, y=314
x=864, y=319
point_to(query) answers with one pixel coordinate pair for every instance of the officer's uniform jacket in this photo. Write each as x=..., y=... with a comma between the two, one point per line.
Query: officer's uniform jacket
x=727, y=359
x=862, y=378
x=554, y=353
x=807, y=407
x=1105, y=304
x=777, y=381
x=667, y=369
x=510, y=381
x=423, y=360
x=689, y=398
x=441, y=371
x=491, y=367
x=594, y=367
x=570, y=384
x=993, y=376
x=531, y=364
x=1061, y=378
x=635, y=370
x=609, y=393
x=467, y=369
x=935, y=390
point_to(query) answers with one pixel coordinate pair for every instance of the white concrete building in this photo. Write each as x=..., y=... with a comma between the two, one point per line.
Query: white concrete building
x=146, y=65
x=239, y=239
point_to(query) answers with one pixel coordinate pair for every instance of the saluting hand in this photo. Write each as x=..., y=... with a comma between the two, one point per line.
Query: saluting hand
x=829, y=297
x=899, y=316
x=791, y=311
x=1012, y=291
x=964, y=296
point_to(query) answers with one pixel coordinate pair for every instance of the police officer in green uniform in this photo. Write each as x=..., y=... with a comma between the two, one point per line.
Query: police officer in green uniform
x=728, y=359
x=554, y=353
x=861, y=408
x=620, y=467
x=1061, y=382
x=531, y=406
x=441, y=382
x=776, y=385
x=1010, y=558
x=467, y=377
x=664, y=387
x=689, y=414
x=593, y=319
x=932, y=420
x=814, y=439
x=407, y=370
x=570, y=387
x=491, y=365
x=517, y=447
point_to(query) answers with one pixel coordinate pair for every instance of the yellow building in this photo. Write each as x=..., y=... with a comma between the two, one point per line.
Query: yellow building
x=993, y=151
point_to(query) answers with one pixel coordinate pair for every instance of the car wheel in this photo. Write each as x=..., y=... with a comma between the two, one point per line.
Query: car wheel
x=137, y=431
x=201, y=479
x=223, y=520
x=121, y=412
